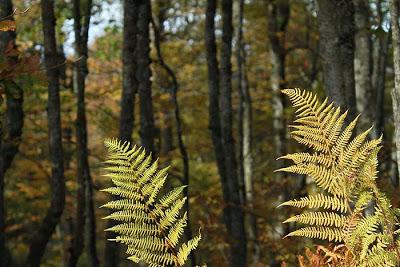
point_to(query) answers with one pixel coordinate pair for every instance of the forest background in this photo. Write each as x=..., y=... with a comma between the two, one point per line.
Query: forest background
x=195, y=82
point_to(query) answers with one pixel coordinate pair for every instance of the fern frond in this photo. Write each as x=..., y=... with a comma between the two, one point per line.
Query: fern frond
x=150, y=225
x=344, y=166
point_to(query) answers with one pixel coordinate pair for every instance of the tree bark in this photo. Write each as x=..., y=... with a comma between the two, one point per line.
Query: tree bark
x=380, y=53
x=84, y=198
x=365, y=94
x=245, y=129
x=336, y=29
x=238, y=236
x=394, y=15
x=143, y=75
x=129, y=90
x=10, y=137
x=57, y=182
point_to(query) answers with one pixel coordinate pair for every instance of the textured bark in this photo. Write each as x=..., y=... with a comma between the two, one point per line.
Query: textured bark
x=143, y=75
x=394, y=15
x=221, y=127
x=179, y=131
x=57, y=182
x=336, y=30
x=365, y=94
x=10, y=137
x=237, y=229
x=245, y=128
x=84, y=198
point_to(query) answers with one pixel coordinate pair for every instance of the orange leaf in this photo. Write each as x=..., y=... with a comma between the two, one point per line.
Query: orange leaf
x=7, y=25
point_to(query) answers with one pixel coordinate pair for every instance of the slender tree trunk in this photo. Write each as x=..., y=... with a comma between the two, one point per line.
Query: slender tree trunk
x=179, y=130
x=57, y=182
x=394, y=14
x=143, y=75
x=11, y=135
x=366, y=96
x=336, y=29
x=380, y=53
x=127, y=119
x=84, y=209
x=245, y=129
x=238, y=235
x=129, y=82
x=221, y=127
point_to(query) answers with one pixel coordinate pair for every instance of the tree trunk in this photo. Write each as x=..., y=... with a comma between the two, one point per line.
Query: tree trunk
x=127, y=119
x=365, y=95
x=143, y=75
x=57, y=182
x=380, y=52
x=221, y=127
x=84, y=198
x=336, y=29
x=245, y=129
x=238, y=236
x=394, y=14
x=10, y=137
x=129, y=82
x=278, y=18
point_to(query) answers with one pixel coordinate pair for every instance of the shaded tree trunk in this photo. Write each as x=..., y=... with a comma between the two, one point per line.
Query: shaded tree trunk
x=127, y=119
x=10, y=137
x=245, y=128
x=394, y=15
x=220, y=113
x=143, y=75
x=380, y=53
x=365, y=93
x=336, y=29
x=84, y=208
x=57, y=182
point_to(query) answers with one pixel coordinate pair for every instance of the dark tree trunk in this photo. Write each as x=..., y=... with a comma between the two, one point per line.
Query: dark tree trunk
x=84, y=198
x=179, y=130
x=57, y=182
x=129, y=82
x=143, y=75
x=10, y=137
x=245, y=132
x=127, y=119
x=336, y=29
x=221, y=127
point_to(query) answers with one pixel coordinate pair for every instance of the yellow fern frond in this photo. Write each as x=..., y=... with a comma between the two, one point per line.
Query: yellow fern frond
x=149, y=225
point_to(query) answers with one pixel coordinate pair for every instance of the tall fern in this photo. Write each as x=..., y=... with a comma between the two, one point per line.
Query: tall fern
x=344, y=168
x=150, y=225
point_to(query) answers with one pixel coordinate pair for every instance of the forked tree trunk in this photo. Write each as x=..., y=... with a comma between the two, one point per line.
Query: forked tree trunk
x=57, y=182
x=245, y=128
